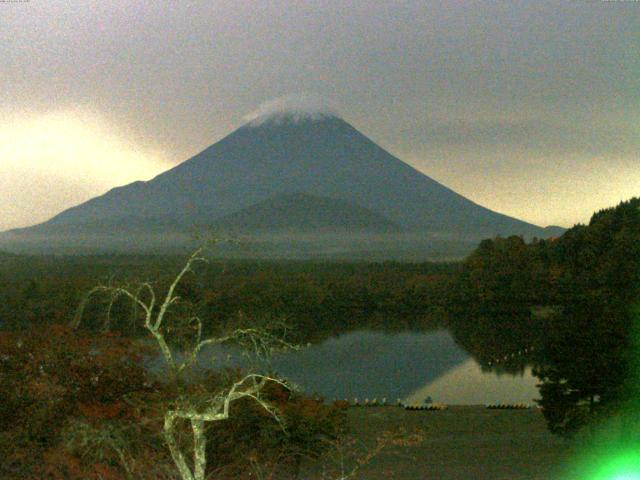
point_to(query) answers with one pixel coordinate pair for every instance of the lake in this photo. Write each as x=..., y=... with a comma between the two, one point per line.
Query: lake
x=408, y=365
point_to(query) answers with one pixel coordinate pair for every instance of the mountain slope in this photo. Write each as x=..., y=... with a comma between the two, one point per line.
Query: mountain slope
x=321, y=156
x=303, y=213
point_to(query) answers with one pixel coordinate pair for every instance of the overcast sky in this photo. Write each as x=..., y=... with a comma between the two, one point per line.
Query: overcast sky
x=530, y=108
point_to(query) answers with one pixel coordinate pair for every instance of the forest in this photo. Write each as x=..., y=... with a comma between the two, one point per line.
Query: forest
x=77, y=402
x=571, y=304
x=317, y=299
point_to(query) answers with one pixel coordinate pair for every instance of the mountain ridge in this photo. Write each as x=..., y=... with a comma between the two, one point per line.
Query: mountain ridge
x=304, y=213
x=319, y=155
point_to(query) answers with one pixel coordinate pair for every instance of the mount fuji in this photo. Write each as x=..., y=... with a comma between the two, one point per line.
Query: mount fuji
x=283, y=174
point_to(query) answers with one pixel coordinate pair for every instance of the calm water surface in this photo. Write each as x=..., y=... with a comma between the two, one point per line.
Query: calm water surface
x=407, y=365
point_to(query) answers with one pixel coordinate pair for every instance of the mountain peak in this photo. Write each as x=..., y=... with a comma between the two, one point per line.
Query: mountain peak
x=246, y=180
x=290, y=116
x=292, y=109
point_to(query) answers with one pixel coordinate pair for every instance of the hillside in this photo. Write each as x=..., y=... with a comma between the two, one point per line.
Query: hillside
x=303, y=213
x=347, y=182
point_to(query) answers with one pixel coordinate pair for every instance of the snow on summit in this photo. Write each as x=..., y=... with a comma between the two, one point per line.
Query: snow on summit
x=295, y=108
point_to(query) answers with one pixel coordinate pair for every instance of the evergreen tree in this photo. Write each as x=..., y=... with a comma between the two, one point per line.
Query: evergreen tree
x=587, y=363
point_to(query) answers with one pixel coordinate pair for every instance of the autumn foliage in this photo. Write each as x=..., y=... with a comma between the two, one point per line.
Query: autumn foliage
x=75, y=405
x=52, y=376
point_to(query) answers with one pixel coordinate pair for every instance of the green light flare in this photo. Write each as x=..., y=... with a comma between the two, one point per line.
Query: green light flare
x=622, y=463
x=612, y=456
x=622, y=466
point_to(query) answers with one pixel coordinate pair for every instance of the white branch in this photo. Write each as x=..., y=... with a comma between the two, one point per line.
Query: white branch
x=217, y=409
x=169, y=299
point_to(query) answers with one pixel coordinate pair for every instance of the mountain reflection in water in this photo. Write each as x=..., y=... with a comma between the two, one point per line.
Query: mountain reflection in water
x=407, y=365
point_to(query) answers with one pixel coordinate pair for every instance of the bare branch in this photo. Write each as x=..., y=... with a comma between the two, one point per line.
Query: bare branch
x=174, y=449
x=77, y=318
x=169, y=299
x=262, y=342
x=107, y=323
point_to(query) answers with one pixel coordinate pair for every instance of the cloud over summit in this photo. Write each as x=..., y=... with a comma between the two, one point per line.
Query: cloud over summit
x=529, y=108
x=295, y=107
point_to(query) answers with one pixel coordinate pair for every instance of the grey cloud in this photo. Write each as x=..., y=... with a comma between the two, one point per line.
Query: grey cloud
x=551, y=138
x=559, y=77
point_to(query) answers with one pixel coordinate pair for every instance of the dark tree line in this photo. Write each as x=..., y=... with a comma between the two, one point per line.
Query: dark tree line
x=571, y=303
x=316, y=299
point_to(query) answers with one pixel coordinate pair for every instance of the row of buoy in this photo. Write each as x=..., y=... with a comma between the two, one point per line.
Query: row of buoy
x=368, y=403
x=399, y=403
x=426, y=407
x=509, y=406
x=429, y=408
x=510, y=356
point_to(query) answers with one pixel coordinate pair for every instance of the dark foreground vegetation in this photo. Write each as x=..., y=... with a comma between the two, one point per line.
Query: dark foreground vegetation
x=317, y=299
x=78, y=402
x=569, y=306
x=77, y=406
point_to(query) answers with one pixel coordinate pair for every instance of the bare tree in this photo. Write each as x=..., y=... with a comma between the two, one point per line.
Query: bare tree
x=349, y=456
x=217, y=405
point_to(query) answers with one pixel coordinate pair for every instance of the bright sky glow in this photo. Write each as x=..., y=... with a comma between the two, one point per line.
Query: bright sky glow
x=63, y=158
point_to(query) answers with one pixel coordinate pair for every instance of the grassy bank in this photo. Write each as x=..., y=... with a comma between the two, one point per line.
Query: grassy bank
x=462, y=443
